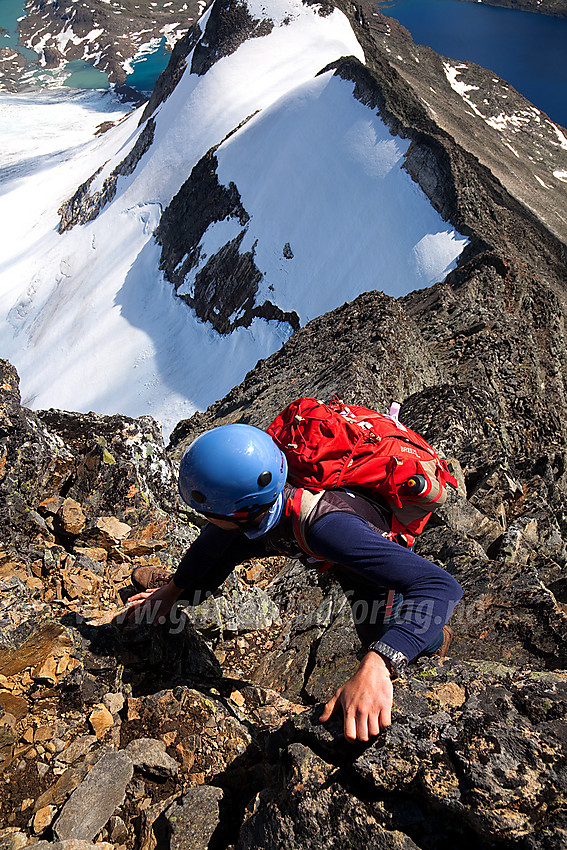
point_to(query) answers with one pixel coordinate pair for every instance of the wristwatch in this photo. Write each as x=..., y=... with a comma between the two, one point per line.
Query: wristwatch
x=396, y=661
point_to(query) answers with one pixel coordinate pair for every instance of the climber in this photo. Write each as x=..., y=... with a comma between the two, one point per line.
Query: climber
x=235, y=476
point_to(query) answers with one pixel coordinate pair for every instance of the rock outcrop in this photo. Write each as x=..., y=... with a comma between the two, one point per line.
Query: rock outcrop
x=86, y=204
x=509, y=158
x=225, y=289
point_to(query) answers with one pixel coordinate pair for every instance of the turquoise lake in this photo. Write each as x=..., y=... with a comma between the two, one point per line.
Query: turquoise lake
x=145, y=71
x=526, y=49
x=148, y=68
x=10, y=11
x=143, y=78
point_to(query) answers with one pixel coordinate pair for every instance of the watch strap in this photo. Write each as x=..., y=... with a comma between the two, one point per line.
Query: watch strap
x=395, y=660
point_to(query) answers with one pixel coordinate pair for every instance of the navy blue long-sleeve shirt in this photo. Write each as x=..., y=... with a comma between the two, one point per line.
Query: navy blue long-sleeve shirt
x=430, y=593
x=340, y=535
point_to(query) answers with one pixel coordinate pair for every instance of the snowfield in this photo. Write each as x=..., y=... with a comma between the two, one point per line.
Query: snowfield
x=336, y=194
x=88, y=318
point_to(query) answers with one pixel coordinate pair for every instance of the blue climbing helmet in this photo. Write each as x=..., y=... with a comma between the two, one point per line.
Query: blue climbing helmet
x=232, y=471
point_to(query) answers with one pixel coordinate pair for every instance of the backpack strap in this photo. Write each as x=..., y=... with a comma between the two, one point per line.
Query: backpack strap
x=300, y=507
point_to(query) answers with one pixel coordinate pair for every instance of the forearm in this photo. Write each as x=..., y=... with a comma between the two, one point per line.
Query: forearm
x=210, y=560
x=430, y=593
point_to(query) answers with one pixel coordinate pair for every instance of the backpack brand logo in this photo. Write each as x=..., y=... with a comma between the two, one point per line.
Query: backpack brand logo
x=408, y=450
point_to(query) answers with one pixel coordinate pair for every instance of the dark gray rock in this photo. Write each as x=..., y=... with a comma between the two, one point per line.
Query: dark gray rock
x=425, y=778
x=34, y=464
x=229, y=25
x=84, y=206
x=149, y=756
x=83, y=562
x=314, y=811
x=308, y=603
x=495, y=489
x=238, y=610
x=462, y=516
x=195, y=820
x=168, y=80
x=95, y=800
x=12, y=64
x=334, y=658
x=113, y=456
x=448, y=547
x=77, y=749
x=228, y=282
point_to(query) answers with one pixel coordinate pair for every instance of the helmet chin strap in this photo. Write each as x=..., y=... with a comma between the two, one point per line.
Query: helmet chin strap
x=244, y=519
x=267, y=520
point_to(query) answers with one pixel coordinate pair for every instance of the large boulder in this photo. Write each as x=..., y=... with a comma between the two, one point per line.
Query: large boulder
x=474, y=757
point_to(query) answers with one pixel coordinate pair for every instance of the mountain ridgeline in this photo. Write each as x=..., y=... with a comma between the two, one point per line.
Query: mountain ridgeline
x=207, y=735
x=556, y=8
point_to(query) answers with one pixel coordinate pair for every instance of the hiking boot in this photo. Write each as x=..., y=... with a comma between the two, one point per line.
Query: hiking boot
x=150, y=578
x=447, y=639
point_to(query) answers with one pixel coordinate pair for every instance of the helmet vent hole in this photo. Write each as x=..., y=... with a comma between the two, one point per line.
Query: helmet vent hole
x=198, y=497
x=264, y=478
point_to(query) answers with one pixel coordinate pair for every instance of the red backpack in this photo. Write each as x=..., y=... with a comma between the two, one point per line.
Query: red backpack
x=334, y=445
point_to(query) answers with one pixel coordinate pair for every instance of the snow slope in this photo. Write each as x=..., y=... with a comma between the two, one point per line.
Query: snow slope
x=87, y=317
x=336, y=195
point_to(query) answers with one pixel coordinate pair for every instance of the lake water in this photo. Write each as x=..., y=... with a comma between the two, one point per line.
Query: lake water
x=80, y=75
x=147, y=68
x=526, y=49
x=84, y=76
x=145, y=71
x=10, y=11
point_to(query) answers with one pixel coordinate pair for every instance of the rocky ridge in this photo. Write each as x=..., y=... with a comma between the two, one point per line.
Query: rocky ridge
x=203, y=732
x=522, y=154
x=479, y=151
